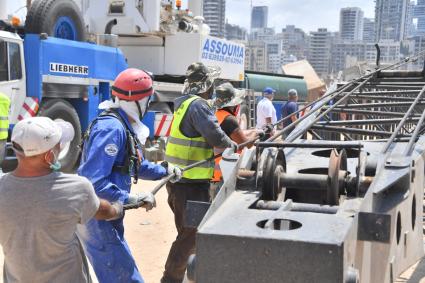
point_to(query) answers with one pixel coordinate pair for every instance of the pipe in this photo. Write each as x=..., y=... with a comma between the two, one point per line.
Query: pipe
x=378, y=55
x=110, y=25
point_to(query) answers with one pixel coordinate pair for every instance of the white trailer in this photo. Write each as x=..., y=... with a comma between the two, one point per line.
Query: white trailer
x=157, y=36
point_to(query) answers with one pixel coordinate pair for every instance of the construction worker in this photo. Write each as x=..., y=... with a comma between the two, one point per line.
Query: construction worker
x=111, y=157
x=227, y=102
x=41, y=208
x=266, y=113
x=290, y=106
x=4, y=124
x=194, y=133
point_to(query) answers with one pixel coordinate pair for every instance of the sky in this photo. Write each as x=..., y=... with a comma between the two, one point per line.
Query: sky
x=306, y=14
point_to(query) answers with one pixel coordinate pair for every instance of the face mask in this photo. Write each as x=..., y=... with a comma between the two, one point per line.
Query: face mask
x=56, y=165
x=135, y=109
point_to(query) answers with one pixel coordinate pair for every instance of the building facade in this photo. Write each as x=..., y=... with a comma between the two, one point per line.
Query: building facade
x=235, y=32
x=255, y=56
x=368, y=30
x=259, y=17
x=351, y=23
x=295, y=41
x=391, y=19
x=419, y=15
x=214, y=12
x=276, y=61
x=320, y=51
x=345, y=54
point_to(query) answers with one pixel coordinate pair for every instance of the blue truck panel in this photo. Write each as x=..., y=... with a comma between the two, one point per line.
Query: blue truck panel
x=66, y=58
x=77, y=59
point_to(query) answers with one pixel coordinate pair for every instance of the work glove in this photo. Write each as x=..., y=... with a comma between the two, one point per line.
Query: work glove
x=261, y=135
x=171, y=169
x=268, y=132
x=147, y=198
x=176, y=171
x=119, y=210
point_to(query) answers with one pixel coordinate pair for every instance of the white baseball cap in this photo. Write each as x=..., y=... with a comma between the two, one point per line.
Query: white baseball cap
x=38, y=135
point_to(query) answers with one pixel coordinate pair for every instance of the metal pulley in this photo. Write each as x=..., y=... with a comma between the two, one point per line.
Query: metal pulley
x=271, y=167
x=336, y=176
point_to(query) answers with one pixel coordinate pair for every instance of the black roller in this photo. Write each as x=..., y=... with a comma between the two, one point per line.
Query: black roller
x=271, y=165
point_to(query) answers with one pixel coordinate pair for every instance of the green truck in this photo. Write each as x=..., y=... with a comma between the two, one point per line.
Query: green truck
x=255, y=82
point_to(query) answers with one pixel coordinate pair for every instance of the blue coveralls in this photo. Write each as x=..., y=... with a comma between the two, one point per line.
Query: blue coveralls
x=106, y=247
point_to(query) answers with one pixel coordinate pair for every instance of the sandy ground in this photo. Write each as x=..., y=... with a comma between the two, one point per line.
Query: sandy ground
x=150, y=235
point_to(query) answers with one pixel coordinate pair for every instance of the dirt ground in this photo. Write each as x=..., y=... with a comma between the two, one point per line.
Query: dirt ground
x=150, y=235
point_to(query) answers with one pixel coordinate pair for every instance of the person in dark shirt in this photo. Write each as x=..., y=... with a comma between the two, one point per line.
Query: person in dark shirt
x=291, y=106
x=227, y=102
x=194, y=133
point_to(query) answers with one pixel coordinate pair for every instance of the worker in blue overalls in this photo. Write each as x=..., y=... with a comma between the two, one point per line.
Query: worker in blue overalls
x=111, y=157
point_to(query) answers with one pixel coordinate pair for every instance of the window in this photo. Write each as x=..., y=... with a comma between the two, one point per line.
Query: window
x=3, y=62
x=15, y=62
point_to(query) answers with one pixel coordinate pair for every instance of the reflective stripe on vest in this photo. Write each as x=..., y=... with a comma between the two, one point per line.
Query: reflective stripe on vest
x=4, y=116
x=221, y=115
x=183, y=151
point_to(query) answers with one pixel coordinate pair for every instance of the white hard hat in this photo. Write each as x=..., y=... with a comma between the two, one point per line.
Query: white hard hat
x=38, y=135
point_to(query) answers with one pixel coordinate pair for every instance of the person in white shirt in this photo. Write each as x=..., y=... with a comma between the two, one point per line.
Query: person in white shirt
x=266, y=113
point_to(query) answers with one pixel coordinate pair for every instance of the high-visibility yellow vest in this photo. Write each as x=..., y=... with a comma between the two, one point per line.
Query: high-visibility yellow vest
x=4, y=116
x=183, y=151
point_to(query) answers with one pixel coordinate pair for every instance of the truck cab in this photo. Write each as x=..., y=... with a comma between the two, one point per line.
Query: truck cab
x=12, y=72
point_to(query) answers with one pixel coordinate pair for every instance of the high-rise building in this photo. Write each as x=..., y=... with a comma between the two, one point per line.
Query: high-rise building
x=390, y=19
x=259, y=17
x=320, y=51
x=419, y=15
x=351, y=23
x=235, y=32
x=409, y=27
x=256, y=56
x=214, y=12
x=368, y=30
x=295, y=41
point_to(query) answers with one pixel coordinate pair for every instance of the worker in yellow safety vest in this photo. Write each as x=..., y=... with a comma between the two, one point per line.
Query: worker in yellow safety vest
x=228, y=101
x=4, y=124
x=194, y=133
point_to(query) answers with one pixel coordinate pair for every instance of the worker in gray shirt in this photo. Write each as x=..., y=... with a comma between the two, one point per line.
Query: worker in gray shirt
x=194, y=133
x=40, y=208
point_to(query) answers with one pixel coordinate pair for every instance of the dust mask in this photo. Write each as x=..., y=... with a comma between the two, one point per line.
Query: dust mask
x=134, y=109
x=56, y=165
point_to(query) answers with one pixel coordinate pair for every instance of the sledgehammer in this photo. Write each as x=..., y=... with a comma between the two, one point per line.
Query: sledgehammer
x=168, y=178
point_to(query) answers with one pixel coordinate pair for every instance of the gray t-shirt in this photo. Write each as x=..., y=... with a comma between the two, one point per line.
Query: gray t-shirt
x=38, y=227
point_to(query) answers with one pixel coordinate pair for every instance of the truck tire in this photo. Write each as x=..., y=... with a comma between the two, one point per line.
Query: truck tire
x=57, y=18
x=62, y=109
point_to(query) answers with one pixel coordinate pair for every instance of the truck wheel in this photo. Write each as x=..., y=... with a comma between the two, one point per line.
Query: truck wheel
x=57, y=18
x=244, y=117
x=61, y=109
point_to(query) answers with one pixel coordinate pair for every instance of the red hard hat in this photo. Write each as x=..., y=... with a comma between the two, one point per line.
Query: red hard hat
x=132, y=84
